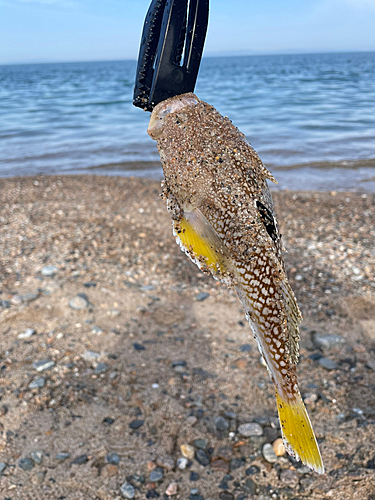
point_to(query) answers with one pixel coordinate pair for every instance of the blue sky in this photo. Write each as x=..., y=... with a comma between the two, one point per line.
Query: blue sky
x=83, y=30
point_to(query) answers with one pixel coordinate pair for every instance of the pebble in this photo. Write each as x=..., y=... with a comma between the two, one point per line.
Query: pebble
x=187, y=451
x=179, y=369
x=49, y=271
x=178, y=363
x=38, y=478
x=171, y=490
x=220, y=464
x=89, y=284
x=78, y=303
x=304, y=470
x=16, y=300
x=26, y=464
x=250, y=486
x=289, y=478
x=29, y=297
x=236, y=463
x=43, y=365
x=310, y=398
x=182, y=463
x=29, y=332
x=224, y=485
x=3, y=410
x=191, y=420
x=166, y=462
x=96, y=330
x=225, y=495
x=221, y=424
x=2, y=467
x=62, y=456
x=139, y=478
x=194, y=476
x=201, y=443
x=151, y=465
x=136, y=424
x=327, y=364
x=147, y=288
x=90, y=356
x=327, y=341
x=80, y=460
x=269, y=454
x=315, y=356
x=109, y=470
x=156, y=475
x=127, y=490
x=202, y=458
x=278, y=447
x=112, y=458
x=37, y=456
x=108, y=421
x=202, y=296
x=252, y=470
x=113, y=313
x=371, y=364
x=101, y=368
x=37, y=383
x=138, y=347
x=193, y=496
x=152, y=494
x=245, y=348
x=250, y=429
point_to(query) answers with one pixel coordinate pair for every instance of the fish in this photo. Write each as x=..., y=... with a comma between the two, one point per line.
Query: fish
x=216, y=191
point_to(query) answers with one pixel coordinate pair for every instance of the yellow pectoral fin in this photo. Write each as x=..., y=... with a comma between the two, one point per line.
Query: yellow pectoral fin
x=299, y=438
x=201, y=243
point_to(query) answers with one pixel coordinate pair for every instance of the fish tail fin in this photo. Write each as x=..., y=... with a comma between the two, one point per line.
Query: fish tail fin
x=298, y=435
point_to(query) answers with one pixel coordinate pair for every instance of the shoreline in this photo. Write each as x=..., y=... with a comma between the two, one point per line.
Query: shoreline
x=344, y=176
x=152, y=353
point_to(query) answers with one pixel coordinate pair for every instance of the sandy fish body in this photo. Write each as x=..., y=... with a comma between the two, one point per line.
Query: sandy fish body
x=223, y=218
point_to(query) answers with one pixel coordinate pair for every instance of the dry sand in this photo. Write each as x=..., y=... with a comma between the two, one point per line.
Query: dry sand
x=148, y=365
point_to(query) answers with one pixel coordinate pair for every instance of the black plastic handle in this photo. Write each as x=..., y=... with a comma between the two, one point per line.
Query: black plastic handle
x=173, y=30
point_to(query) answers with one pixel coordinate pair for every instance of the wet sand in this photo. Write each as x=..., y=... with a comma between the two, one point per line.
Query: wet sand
x=152, y=354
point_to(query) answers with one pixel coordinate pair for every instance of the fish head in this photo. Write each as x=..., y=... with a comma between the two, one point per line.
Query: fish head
x=167, y=128
x=163, y=109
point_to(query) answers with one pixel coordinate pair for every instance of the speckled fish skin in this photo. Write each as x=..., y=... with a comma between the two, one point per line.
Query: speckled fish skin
x=223, y=218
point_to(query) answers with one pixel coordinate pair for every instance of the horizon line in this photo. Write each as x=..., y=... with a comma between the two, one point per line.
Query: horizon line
x=234, y=53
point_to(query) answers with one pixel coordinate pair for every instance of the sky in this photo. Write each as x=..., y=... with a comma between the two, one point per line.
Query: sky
x=92, y=30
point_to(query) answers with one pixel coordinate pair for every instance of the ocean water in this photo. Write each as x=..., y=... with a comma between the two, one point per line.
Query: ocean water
x=310, y=117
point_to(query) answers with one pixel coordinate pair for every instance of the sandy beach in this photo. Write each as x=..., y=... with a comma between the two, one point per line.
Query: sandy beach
x=116, y=350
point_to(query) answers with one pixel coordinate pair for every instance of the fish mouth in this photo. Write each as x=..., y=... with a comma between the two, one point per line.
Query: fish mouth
x=164, y=108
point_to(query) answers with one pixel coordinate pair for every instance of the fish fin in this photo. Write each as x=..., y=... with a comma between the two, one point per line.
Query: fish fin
x=262, y=169
x=198, y=239
x=267, y=174
x=294, y=318
x=298, y=435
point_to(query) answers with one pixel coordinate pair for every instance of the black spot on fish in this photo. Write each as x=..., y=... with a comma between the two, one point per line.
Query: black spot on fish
x=268, y=220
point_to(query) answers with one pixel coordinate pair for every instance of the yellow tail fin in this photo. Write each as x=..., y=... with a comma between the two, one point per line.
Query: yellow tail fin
x=298, y=435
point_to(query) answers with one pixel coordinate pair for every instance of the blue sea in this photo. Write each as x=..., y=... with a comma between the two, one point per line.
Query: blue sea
x=310, y=117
